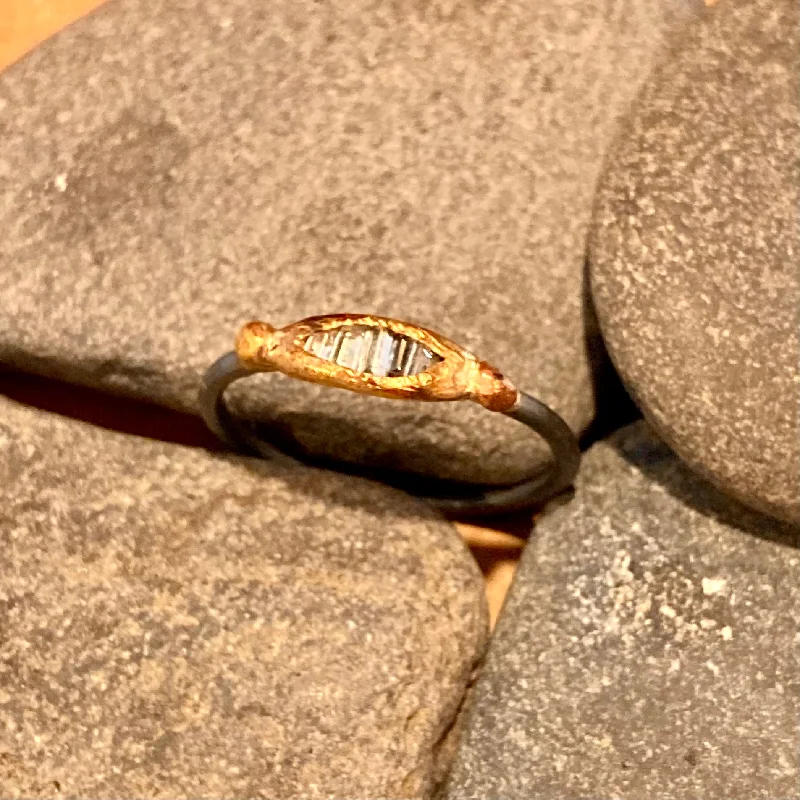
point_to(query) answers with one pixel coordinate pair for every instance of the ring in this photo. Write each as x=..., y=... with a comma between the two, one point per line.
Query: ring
x=394, y=359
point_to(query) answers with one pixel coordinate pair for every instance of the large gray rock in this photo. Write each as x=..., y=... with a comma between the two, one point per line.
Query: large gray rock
x=648, y=648
x=179, y=624
x=695, y=256
x=217, y=163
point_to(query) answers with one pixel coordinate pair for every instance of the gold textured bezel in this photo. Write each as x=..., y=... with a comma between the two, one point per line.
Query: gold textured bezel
x=459, y=375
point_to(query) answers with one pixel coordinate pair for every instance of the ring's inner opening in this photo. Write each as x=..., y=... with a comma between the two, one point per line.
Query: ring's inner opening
x=377, y=351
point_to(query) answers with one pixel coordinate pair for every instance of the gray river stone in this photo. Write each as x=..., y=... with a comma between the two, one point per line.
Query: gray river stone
x=180, y=624
x=217, y=163
x=695, y=270
x=648, y=648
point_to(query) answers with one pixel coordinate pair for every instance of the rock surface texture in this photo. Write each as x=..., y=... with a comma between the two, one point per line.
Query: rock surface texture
x=218, y=163
x=178, y=624
x=648, y=647
x=695, y=254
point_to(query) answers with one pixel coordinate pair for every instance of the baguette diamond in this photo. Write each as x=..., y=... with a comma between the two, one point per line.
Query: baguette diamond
x=383, y=354
x=378, y=352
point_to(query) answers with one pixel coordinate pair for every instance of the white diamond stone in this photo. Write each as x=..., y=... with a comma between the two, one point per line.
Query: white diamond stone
x=366, y=350
x=422, y=360
x=319, y=343
x=349, y=354
x=326, y=344
x=382, y=353
x=399, y=356
x=408, y=358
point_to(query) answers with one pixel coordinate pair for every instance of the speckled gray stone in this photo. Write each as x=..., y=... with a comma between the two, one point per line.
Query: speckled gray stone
x=217, y=163
x=648, y=648
x=695, y=255
x=178, y=624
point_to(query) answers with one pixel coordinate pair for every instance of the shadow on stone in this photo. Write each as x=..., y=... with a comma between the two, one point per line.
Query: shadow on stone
x=278, y=432
x=614, y=406
x=658, y=462
x=137, y=418
x=108, y=411
x=303, y=480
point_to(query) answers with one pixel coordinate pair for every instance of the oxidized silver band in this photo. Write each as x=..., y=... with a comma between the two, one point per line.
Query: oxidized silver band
x=390, y=358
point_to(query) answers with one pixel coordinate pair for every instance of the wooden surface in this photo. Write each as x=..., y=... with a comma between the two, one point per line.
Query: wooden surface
x=24, y=24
